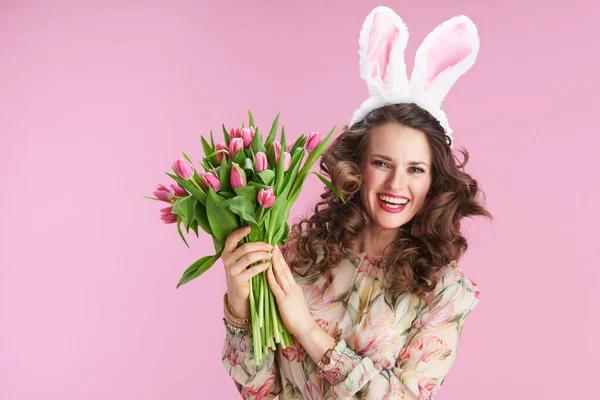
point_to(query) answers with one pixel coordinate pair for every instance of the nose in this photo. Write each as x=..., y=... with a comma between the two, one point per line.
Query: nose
x=396, y=181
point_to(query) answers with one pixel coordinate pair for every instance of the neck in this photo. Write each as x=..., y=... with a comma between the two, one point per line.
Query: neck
x=374, y=239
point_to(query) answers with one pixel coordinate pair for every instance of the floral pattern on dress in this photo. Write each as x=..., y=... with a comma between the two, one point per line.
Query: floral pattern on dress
x=388, y=347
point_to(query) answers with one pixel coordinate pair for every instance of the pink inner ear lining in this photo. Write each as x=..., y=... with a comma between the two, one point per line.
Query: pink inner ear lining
x=381, y=39
x=451, y=47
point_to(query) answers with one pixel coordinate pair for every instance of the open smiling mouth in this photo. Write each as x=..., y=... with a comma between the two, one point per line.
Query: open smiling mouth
x=392, y=205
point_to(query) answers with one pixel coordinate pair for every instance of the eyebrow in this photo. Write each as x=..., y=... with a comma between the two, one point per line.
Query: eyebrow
x=389, y=159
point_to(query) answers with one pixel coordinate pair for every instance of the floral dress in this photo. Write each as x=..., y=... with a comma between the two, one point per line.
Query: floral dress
x=392, y=347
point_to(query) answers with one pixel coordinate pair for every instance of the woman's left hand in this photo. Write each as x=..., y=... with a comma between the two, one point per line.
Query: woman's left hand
x=289, y=295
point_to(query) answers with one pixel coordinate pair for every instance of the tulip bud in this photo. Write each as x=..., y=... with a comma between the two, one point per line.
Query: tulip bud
x=167, y=216
x=164, y=193
x=266, y=197
x=235, y=133
x=289, y=146
x=287, y=160
x=179, y=191
x=261, y=161
x=183, y=169
x=237, y=177
x=247, y=135
x=235, y=145
x=314, y=138
x=277, y=147
x=210, y=180
x=219, y=156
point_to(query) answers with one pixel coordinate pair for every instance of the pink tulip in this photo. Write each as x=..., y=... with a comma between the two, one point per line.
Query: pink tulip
x=235, y=145
x=289, y=146
x=179, y=191
x=219, y=156
x=210, y=180
x=248, y=135
x=235, y=133
x=237, y=177
x=314, y=138
x=164, y=193
x=167, y=216
x=183, y=169
x=287, y=160
x=277, y=147
x=266, y=197
x=261, y=161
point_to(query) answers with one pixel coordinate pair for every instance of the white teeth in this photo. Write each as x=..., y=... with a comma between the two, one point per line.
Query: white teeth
x=393, y=200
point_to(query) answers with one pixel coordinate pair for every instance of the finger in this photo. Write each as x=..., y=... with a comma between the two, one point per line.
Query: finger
x=280, y=275
x=275, y=288
x=255, y=270
x=248, y=259
x=249, y=248
x=284, y=266
x=234, y=238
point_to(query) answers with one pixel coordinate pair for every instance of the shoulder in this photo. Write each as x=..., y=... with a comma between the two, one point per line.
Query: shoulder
x=454, y=291
x=452, y=274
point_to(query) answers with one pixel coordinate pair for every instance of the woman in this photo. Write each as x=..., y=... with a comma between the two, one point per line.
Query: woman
x=384, y=289
x=370, y=289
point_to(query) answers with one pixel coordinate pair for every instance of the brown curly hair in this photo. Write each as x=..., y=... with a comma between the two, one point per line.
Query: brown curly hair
x=422, y=246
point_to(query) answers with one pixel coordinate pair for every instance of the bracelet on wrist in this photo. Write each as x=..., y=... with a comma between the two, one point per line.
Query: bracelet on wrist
x=241, y=323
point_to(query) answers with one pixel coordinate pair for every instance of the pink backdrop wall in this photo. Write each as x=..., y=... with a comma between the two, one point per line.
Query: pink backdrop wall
x=98, y=98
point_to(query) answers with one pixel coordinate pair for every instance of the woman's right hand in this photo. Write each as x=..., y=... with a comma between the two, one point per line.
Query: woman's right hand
x=236, y=261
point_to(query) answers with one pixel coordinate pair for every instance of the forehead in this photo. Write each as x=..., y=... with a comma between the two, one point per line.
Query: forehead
x=399, y=142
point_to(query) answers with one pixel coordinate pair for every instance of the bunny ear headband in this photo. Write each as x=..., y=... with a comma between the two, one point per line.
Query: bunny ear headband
x=445, y=54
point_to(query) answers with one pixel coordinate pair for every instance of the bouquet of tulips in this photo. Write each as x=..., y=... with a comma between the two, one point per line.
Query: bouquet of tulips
x=245, y=182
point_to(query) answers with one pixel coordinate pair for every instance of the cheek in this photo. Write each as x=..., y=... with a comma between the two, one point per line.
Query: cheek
x=370, y=178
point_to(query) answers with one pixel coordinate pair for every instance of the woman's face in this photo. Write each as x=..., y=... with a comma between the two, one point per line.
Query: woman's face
x=396, y=168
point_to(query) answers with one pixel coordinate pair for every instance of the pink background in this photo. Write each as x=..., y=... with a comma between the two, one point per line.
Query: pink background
x=97, y=99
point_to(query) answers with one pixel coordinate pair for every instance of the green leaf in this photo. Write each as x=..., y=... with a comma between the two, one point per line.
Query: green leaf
x=224, y=174
x=181, y=233
x=225, y=135
x=300, y=142
x=188, y=205
x=256, y=234
x=241, y=206
x=177, y=209
x=218, y=245
x=198, y=268
x=257, y=144
x=206, y=147
x=267, y=176
x=273, y=132
x=222, y=220
x=239, y=157
x=202, y=218
x=277, y=217
x=257, y=185
x=249, y=192
x=293, y=171
x=283, y=141
x=212, y=140
x=330, y=186
x=251, y=118
x=194, y=227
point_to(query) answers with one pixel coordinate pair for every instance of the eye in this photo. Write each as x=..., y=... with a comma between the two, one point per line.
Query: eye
x=379, y=163
x=421, y=170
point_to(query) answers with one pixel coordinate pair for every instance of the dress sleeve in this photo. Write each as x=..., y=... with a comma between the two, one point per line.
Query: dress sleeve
x=423, y=362
x=253, y=381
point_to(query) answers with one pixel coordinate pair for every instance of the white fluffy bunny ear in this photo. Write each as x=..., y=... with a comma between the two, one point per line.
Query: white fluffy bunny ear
x=445, y=54
x=382, y=42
